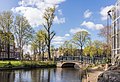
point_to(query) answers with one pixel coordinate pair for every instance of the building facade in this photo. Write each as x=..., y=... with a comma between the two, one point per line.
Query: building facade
x=114, y=14
x=7, y=48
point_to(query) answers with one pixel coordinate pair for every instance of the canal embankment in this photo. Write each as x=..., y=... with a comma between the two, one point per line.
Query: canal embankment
x=16, y=65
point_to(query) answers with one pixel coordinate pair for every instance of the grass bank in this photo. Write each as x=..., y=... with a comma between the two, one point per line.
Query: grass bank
x=6, y=65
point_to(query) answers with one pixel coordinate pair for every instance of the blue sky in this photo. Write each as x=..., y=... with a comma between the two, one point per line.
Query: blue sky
x=71, y=15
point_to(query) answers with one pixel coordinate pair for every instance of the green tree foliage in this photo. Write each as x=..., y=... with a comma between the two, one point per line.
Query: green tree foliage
x=96, y=49
x=34, y=48
x=61, y=50
x=97, y=44
x=49, y=17
x=40, y=39
x=81, y=38
x=89, y=51
x=93, y=51
x=68, y=48
x=38, y=45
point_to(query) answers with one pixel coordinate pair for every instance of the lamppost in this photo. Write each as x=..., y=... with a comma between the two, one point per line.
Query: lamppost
x=109, y=16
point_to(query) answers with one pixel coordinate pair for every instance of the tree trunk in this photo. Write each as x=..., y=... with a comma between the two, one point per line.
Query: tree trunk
x=39, y=49
x=8, y=48
x=34, y=54
x=49, y=55
x=21, y=54
x=42, y=55
x=81, y=51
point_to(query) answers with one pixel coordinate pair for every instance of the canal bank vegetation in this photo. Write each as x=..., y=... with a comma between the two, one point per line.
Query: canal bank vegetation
x=26, y=64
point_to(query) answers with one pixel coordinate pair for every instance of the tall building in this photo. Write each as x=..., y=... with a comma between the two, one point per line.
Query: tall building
x=114, y=14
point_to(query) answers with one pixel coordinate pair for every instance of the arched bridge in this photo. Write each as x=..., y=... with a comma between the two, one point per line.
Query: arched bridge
x=71, y=61
x=77, y=61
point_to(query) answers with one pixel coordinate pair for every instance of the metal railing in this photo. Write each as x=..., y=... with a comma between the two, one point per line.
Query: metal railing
x=82, y=59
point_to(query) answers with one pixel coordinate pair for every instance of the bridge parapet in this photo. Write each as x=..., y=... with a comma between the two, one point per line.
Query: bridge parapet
x=78, y=60
x=76, y=63
x=83, y=59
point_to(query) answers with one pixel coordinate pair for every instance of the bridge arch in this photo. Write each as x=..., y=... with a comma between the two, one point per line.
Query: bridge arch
x=70, y=64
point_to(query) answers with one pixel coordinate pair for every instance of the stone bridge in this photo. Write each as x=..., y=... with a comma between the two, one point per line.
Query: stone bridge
x=75, y=64
x=71, y=61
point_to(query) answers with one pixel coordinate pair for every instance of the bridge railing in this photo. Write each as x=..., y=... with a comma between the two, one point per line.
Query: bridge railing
x=82, y=59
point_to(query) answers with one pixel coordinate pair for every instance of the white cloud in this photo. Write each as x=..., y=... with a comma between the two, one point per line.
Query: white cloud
x=57, y=43
x=33, y=10
x=92, y=25
x=54, y=1
x=104, y=10
x=67, y=35
x=59, y=40
x=87, y=13
x=59, y=20
x=36, y=2
x=60, y=12
x=75, y=30
x=33, y=15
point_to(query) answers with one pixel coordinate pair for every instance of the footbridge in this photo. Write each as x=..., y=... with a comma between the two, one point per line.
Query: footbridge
x=77, y=61
x=71, y=61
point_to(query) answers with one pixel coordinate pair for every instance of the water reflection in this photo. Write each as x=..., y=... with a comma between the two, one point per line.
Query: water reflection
x=42, y=75
x=8, y=76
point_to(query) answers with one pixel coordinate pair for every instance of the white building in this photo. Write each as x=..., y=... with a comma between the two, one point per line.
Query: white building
x=114, y=14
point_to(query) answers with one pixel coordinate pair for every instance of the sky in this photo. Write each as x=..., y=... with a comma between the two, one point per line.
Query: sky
x=71, y=15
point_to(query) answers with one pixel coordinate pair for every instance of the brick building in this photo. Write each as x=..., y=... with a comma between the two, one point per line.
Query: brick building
x=7, y=48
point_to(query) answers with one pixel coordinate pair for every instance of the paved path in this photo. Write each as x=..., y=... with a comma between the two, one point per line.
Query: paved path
x=93, y=75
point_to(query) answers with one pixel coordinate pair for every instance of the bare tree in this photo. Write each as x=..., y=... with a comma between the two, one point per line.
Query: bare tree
x=49, y=17
x=106, y=34
x=6, y=24
x=23, y=32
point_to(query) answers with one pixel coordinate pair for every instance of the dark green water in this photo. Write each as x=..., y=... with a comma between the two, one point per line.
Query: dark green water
x=42, y=75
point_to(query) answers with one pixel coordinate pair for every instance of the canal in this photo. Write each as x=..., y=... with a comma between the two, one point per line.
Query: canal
x=42, y=75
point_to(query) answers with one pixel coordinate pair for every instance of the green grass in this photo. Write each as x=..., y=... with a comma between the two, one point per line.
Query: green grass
x=6, y=64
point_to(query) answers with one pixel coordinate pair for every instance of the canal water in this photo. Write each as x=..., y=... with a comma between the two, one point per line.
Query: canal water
x=42, y=75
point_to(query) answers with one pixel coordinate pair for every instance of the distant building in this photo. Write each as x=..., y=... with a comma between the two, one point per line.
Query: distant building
x=17, y=53
x=114, y=14
x=13, y=52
